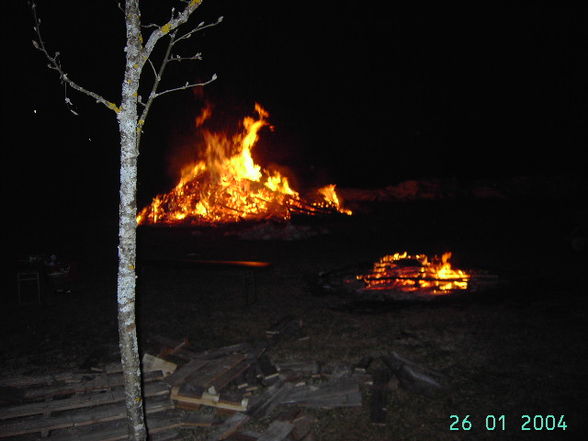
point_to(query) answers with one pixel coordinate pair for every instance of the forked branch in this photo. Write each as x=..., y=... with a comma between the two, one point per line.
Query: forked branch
x=55, y=64
x=168, y=29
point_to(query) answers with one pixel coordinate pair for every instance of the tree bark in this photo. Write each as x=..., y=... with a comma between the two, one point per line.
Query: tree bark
x=127, y=329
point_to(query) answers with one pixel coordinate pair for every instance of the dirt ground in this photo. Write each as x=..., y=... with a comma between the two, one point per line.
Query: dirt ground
x=516, y=349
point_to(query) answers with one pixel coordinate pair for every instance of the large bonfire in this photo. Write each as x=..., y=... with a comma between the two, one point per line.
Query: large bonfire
x=226, y=185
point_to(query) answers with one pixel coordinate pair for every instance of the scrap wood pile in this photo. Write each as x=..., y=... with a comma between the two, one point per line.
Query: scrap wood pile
x=218, y=390
x=80, y=406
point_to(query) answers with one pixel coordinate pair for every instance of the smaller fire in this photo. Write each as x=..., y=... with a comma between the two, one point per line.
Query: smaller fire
x=415, y=272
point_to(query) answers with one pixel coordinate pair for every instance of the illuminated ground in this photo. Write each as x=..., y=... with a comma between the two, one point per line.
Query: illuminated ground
x=516, y=350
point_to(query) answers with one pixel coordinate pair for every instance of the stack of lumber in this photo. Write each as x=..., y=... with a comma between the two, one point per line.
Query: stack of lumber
x=81, y=406
x=219, y=390
x=241, y=383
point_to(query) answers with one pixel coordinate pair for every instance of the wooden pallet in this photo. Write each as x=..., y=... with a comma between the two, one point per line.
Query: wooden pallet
x=83, y=407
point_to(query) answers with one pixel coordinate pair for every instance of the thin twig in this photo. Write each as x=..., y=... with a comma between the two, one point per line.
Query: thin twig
x=197, y=57
x=56, y=65
x=170, y=26
x=199, y=28
x=187, y=86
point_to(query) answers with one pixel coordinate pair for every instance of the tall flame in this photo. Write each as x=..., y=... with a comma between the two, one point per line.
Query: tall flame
x=409, y=273
x=226, y=185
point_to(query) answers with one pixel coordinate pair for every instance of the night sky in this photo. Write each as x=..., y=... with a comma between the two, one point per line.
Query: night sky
x=360, y=94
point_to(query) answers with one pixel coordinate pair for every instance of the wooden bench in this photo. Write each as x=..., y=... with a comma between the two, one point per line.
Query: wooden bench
x=248, y=268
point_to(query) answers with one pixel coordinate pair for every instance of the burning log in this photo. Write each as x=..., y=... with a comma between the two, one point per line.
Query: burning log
x=302, y=207
x=415, y=278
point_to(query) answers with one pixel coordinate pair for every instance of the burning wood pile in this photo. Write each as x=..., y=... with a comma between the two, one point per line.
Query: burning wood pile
x=226, y=185
x=405, y=276
x=410, y=273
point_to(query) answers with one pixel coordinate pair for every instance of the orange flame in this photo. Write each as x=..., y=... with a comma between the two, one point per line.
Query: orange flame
x=226, y=185
x=409, y=273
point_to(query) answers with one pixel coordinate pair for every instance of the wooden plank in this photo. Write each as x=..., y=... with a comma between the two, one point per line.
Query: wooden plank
x=342, y=393
x=305, y=367
x=258, y=401
x=413, y=377
x=379, y=396
x=247, y=378
x=269, y=399
x=350, y=399
x=85, y=383
x=228, y=427
x=45, y=380
x=153, y=363
x=339, y=387
x=183, y=372
x=78, y=417
x=168, y=435
x=266, y=367
x=233, y=397
x=245, y=435
x=207, y=400
x=79, y=401
x=58, y=379
x=217, y=384
x=195, y=419
x=158, y=423
x=210, y=372
x=276, y=431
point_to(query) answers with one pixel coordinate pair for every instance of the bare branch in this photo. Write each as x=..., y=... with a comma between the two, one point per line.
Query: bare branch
x=187, y=86
x=153, y=68
x=199, y=28
x=181, y=18
x=197, y=57
x=158, y=76
x=56, y=65
x=153, y=93
x=150, y=25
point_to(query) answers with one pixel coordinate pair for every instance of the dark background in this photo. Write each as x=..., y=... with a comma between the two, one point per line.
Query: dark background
x=360, y=94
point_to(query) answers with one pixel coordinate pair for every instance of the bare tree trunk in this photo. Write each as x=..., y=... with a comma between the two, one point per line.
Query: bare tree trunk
x=130, y=126
x=127, y=328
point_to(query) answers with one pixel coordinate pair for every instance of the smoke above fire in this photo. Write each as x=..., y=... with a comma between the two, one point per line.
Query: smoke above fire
x=224, y=183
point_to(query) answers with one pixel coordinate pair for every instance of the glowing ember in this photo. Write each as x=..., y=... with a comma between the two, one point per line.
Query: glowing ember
x=226, y=185
x=409, y=273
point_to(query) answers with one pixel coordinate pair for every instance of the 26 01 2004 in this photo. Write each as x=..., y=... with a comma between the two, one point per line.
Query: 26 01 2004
x=493, y=422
